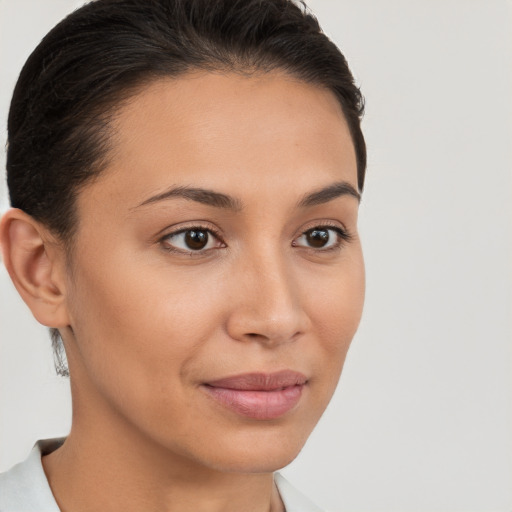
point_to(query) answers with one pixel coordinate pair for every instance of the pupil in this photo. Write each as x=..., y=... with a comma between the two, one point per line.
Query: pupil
x=196, y=239
x=318, y=237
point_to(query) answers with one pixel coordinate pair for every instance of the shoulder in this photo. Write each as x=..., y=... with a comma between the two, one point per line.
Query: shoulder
x=294, y=501
x=24, y=488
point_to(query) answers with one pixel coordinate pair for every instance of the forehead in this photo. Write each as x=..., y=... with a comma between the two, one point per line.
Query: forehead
x=228, y=131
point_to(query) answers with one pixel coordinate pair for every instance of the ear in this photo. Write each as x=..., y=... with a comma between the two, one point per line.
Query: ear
x=37, y=266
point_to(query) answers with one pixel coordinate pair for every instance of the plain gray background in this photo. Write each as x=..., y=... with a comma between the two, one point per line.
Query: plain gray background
x=422, y=419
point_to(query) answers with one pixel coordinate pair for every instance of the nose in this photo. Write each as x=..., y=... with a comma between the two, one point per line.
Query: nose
x=266, y=303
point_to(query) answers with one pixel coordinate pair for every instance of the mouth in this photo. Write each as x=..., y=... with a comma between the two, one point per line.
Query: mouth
x=260, y=396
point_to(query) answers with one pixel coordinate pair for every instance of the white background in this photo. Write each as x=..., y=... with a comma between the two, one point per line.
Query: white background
x=422, y=419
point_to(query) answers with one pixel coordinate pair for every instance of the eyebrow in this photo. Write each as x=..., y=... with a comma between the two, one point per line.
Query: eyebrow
x=326, y=194
x=200, y=195
x=220, y=200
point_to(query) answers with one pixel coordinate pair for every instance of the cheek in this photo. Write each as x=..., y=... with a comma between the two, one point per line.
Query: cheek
x=338, y=301
x=336, y=310
x=137, y=327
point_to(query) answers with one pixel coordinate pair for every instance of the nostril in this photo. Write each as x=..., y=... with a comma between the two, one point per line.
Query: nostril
x=255, y=336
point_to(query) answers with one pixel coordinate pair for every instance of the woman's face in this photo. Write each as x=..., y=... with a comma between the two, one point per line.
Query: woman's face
x=217, y=278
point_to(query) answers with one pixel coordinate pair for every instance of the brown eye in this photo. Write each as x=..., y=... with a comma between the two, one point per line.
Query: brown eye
x=191, y=240
x=322, y=238
x=195, y=239
x=317, y=237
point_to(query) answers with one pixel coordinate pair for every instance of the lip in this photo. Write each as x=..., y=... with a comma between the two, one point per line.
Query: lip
x=261, y=396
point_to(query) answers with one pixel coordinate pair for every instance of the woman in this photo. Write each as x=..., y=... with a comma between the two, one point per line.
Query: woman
x=185, y=179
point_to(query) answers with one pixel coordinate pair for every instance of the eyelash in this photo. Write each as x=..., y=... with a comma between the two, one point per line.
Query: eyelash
x=343, y=234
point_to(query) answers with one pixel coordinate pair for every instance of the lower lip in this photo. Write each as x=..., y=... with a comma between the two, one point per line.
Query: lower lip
x=259, y=405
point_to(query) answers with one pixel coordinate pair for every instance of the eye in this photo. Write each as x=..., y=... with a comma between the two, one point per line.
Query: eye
x=322, y=237
x=193, y=239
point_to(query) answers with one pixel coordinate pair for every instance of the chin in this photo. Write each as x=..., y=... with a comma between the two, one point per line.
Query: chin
x=264, y=453
x=256, y=463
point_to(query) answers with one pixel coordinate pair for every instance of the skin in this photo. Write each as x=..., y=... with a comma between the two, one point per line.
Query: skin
x=144, y=327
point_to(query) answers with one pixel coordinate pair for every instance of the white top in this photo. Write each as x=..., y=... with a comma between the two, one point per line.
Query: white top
x=24, y=488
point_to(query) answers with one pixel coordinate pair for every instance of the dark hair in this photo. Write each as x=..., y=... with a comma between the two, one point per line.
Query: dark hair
x=103, y=53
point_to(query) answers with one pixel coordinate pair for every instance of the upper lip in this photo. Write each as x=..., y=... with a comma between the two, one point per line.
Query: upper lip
x=259, y=381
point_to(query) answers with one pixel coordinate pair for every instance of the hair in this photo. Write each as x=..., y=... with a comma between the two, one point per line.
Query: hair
x=102, y=54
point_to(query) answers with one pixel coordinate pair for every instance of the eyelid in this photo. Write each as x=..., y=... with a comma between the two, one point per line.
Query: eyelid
x=324, y=224
x=185, y=226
